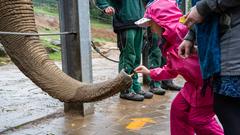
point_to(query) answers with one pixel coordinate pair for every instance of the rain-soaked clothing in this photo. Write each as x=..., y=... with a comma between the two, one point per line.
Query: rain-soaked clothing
x=190, y=110
x=129, y=35
x=155, y=58
x=130, y=44
x=187, y=120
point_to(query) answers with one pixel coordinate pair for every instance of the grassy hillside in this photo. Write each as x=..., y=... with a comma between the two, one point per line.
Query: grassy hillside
x=47, y=20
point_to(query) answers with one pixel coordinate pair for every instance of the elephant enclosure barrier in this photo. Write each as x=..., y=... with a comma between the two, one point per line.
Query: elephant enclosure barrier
x=35, y=34
x=76, y=49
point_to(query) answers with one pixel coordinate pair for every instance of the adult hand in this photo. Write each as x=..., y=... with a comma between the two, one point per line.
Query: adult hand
x=193, y=17
x=186, y=48
x=109, y=10
x=142, y=69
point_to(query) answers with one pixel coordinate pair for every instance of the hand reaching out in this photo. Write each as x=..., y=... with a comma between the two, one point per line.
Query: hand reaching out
x=142, y=69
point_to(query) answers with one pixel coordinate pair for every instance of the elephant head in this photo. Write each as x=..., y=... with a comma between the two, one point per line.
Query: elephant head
x=31, y=58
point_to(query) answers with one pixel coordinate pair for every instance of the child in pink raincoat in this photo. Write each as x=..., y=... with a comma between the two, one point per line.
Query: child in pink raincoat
x=190, y=111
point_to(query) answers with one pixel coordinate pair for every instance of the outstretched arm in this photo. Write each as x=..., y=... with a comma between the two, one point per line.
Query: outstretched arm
x=164, y=73
x=158, y=74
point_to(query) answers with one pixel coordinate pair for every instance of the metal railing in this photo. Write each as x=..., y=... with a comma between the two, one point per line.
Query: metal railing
x=35, y=34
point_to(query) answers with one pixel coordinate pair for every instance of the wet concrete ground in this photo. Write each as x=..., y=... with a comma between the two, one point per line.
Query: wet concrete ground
x=26, y=110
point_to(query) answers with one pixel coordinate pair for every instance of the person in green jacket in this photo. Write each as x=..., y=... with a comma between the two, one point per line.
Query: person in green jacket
x=155, y=59
x=129, y=40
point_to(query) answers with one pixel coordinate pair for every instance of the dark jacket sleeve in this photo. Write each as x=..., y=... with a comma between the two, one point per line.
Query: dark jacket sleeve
x=102, y=4
x=191, y=36
x=205, y=7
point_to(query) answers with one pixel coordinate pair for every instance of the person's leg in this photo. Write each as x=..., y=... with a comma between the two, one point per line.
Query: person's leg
x=203, y=121
x=138, y=42
x=228, y=112
x=154, y=61
x=179, y=123
x=127, y=60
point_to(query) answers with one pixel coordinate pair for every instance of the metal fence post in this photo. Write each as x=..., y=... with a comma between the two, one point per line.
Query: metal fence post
x=76, y=49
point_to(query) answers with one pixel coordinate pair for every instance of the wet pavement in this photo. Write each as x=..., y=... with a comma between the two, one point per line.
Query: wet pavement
x=26, y=110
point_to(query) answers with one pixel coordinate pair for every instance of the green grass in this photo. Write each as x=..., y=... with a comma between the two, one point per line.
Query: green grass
x=50, y=37
x=55, y=56
x=46, y=11
x=46, y=39
x=98, y=24
x=101, y=25
x=46, y=42
x=48, y=30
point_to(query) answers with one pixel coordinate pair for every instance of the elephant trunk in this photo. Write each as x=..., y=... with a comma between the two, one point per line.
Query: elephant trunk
x=31, y=58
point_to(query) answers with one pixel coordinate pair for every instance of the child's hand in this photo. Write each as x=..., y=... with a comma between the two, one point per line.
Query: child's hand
x=142, y=69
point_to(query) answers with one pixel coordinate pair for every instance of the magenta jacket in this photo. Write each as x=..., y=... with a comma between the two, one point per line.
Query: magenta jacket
x=166, y=14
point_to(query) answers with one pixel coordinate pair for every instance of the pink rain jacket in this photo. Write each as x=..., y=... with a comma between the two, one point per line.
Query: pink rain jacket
x=166, y=14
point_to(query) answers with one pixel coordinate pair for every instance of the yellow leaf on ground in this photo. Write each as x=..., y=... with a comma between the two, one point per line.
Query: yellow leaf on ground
x=138, y=123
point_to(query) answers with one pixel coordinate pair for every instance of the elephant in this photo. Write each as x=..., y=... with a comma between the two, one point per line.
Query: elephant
x=29, y=55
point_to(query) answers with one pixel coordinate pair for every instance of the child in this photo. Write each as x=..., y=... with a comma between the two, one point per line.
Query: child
x=190, y=111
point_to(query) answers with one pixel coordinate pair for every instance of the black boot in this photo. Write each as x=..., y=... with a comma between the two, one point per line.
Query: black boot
x=131, y=96
x=146, y=94
x=157, y=90
x=169, y=85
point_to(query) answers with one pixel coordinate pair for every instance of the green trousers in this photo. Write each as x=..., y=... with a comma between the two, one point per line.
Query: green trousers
x=155, y=58
x=130, y=45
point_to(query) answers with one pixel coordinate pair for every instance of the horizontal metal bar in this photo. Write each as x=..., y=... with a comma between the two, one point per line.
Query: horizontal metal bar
x=35, y=34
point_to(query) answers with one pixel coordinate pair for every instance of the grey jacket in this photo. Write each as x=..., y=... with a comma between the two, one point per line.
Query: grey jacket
x=230, y=31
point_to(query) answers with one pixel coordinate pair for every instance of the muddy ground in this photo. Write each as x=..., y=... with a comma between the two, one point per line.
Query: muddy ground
x=25, y=109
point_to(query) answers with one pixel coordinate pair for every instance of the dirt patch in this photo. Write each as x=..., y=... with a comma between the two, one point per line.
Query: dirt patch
x=106, y=34
x=108, y=49
x=47, y=22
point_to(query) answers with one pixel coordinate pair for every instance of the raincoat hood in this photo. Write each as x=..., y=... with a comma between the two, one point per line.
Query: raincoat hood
x=166, y=14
